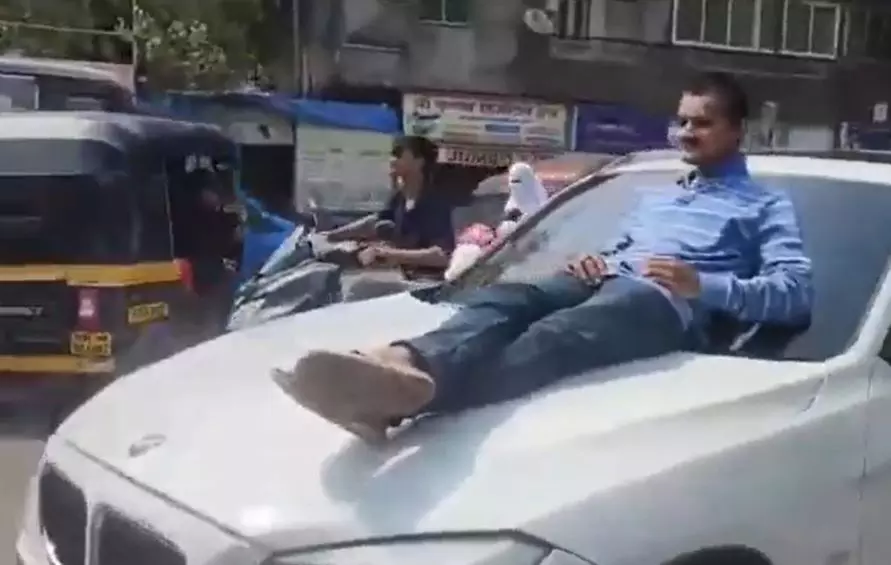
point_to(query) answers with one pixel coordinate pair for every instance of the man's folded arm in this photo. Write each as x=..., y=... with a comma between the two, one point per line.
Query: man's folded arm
x=782, y=292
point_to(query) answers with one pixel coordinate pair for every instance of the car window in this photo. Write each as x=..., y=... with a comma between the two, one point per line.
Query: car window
x=18, y=92
x=844, y=226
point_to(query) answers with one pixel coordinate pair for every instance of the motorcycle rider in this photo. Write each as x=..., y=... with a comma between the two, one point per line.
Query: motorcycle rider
x=422, y=237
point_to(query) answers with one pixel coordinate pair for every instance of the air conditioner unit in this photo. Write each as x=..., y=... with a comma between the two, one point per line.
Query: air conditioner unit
x=539, y=21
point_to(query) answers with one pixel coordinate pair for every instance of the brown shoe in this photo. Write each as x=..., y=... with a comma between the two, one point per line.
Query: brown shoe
x=359, y=393
x=370, y=429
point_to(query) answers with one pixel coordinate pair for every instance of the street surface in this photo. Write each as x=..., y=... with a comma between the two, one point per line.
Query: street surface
x=21, y=444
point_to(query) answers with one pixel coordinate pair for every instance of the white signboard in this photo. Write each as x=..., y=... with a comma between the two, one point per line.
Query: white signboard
x=459, y=119
x=342, y=169
x=880, y=113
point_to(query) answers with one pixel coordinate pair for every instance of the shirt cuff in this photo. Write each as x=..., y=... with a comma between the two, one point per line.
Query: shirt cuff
x=714, y=290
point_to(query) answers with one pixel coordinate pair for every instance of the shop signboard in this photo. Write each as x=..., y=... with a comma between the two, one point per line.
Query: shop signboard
x=457, y=119
x=492, y=158
x=618, y=129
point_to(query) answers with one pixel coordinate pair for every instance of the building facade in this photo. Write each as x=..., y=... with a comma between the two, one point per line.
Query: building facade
x=818, y=64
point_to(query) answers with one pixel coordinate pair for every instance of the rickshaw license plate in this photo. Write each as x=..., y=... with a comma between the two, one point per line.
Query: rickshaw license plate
x=142, y=313
x=91, y=344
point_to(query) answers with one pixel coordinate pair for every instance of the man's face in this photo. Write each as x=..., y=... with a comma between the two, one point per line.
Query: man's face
x=405, y=164
x=705, y=136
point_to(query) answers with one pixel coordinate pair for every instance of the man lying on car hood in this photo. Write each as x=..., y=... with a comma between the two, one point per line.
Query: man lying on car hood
x=713, y=242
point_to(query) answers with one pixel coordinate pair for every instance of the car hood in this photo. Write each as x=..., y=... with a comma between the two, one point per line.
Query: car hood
x=237, y=450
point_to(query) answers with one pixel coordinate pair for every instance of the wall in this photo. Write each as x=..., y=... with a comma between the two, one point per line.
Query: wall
x=248, y=126
x=631, y=61
x=383, y=41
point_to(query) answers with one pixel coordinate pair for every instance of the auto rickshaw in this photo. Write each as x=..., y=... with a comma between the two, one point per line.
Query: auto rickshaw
x=116, y=232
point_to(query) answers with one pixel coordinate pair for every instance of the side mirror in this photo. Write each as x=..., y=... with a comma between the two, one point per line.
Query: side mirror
x=385, y=229
x=309, y=220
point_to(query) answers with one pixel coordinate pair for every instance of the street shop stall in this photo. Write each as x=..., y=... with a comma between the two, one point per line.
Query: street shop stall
x=296, y=151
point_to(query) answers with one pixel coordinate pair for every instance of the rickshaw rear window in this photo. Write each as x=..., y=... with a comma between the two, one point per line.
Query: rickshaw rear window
x=63, y=220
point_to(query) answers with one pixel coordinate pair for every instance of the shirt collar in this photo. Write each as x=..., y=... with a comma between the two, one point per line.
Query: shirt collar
x=733, y=166
x=728, y=170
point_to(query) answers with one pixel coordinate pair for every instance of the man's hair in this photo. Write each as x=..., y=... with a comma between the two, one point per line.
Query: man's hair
x=420, y=147
x=727, y=89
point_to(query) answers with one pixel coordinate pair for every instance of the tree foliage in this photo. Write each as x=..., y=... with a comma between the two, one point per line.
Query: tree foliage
x=178, y=50
x=179, y=43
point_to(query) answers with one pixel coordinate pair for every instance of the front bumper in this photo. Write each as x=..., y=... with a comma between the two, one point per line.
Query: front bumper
x=199, y=541
x=55, y=364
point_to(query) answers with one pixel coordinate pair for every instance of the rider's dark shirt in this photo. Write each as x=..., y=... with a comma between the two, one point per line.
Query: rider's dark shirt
x=427, y=223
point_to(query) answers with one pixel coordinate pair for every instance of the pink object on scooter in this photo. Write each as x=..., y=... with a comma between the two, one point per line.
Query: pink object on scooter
x=527, y=195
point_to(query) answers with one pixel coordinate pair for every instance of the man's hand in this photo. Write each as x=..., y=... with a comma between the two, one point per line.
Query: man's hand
x=588, y=268
x=678, y=277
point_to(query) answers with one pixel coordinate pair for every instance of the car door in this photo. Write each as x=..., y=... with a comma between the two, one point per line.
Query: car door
x=876, y=485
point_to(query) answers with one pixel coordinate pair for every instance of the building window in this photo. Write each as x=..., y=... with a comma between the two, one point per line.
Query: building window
x=573, y=17
x=868, y=33
x=811, y=28
x=736, y=24
x=800, y=27
x=604, y=19
x=445, y=11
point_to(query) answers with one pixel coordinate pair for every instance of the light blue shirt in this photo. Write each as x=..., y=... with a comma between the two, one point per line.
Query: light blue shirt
x=742, y=238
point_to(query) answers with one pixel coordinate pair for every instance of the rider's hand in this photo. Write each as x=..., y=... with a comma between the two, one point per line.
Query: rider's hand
x=678, y=277
x=588, y=268
x=368, y=256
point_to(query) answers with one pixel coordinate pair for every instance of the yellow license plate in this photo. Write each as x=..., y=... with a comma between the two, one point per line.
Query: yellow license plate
x=142, y=313
x=91, y=344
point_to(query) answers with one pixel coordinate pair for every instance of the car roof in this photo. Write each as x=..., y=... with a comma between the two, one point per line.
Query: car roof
x=110, y=127
x=86, y=142
x=853, y=165
x=861, y=155
x=27, y=65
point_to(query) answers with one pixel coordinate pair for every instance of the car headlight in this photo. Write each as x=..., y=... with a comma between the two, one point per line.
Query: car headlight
x=439, y=551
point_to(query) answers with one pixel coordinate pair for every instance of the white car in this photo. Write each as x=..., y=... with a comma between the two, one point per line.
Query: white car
x=773, y=449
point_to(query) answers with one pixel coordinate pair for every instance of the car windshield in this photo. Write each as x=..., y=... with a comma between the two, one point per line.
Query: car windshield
x=841, y=221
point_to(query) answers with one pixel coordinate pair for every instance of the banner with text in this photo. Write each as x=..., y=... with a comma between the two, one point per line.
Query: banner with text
x=460, y=119
x=489, y=157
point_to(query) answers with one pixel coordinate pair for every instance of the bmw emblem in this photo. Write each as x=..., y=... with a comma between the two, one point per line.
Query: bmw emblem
x=146, y=444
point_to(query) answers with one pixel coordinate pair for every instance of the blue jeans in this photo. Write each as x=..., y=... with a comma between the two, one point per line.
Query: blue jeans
x=511, y=339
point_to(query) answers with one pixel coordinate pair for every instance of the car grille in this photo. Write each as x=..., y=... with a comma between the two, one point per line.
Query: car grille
x=119, y=540
x=63, y=514
x=122, y=541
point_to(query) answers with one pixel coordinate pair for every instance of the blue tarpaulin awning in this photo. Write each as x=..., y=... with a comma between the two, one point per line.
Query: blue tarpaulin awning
x=321, y=113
